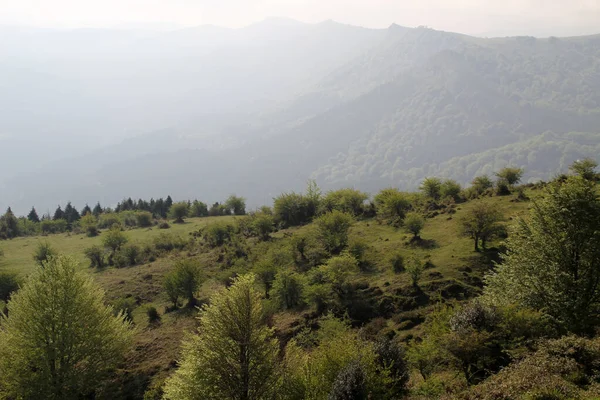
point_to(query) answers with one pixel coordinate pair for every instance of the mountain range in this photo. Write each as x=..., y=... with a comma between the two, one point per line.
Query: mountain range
x=96, y=115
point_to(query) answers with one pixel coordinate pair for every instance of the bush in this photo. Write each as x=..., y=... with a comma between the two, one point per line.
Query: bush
x=144, y=219
x=89, y=224
x=361, y=250
x=292, y=209
x=308, y=250
x=288, y=289
x=349, y=384
x=43, y=253
x=397, y=262
x=199, y=209
x=108, y=220
x=451, y=188
x=164, y=225
x=218, y=233
x=53, y=226
x=332, y=230
x=183, y=281
x=391, y=205
x=415, y=270
x=152, y=314
x=127, y=256
x=414, y=223
x=236, y=205
x=431, y=187
x=96, y=256
x=9, y=283
x=179, y=211
x=350, y=201
x=166, y=242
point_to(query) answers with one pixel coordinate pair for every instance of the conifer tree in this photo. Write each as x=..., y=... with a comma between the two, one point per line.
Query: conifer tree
x=86, y=210
x=33, y=215
x=97, y=210
x=58, y=214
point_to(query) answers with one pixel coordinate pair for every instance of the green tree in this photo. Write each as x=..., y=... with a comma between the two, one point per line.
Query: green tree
x=113, y=240
x=199, y=209
x=392, y=205
x=86, y=210
x=432, y=188
x=97, y=210
x=553, y=258
x=348, y=200
x=60, y=338
x=183, y=281
x=235, y=355
x=265, y=272
x=288, y=289
x=179, y=211
x=43, y=253
x=510, y=175
x=89, y=223
x=262, y=225
x=481, y=223
x=585, y=168
x=414, y=223
x=33, y=215
x=9, y=225
x=96, y=256
x=71, y=214
x=333, y=230
x=450, y=188
x=482, y=183
x=58, y=214
x=414, y=268
x=236, y=205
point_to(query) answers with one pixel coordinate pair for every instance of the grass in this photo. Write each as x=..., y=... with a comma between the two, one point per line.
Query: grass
x=18, y=252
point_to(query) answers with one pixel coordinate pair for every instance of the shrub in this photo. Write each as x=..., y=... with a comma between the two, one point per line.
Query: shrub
x=96, y=256
x=392, y=357
x=218, y=233
x=128, y=218
x=288, y=289
x=236, y=205
x=108, y=220
x=184, y=280
x=53, y=226
x=127, y=256
x=43, y=253
x=292, y=209
x=164, y=225
x=199, y=209
x=391, y=205
x=397, y=262
x=332, y=230
x=450, y=188
x=166, y=242
x=144, y=219
x=350, y=201
x=9, y=283
x=361, y=250
x=431, y=187
x=308, y=250
x=152, y=314
x=415, y=270
x=179, y=211
x=89, y=224
x=124, y=306
x=481, y=183
x=349, y=383
x=414, y=223
x=262, y=225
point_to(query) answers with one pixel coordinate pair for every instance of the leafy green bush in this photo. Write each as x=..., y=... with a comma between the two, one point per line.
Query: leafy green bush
x=199, y=209
x=43, y=252
x=350, y=201
x=153, y=315
x=48, y=226
x=179, y=211
x=108, y=220
x=183, y=281
x=89, y=224
x=414, y=223
x=9, y=283
x=392, y=205
x=415, y=270
x=167, y=242
x=288, y=289
x=397, y=262
x=218, y=233
x=362, y=251
x=96, y=256
x=144, y=219
x=332, y=230
x=127, y=256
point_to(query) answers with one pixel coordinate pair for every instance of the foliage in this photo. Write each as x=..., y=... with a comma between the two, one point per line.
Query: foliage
x=309, y=251
x=60, y=338
x=127, y=256
x=292, y=209
x=9, y=283
x=414, y=223
x=397, y=262
x=236, y=205
x=218, y=233
x=96, y=256
x=332, y=230
x=153, y=315
x=166, y=242
x=350, y=201
x=585, y=168
x=288, y=289
x=510, y=175
x=362, y=252
x=198, y=209
x=265, y=271
x=144, y=219
x=432, y=188
x=8, y=225
x=349, y=384
x=482, y=183
x=179, y=211
x=43, y=253
x=481, y=224
x=108, y=220
x=553, y=258
x=53, y=226
x=392, y=205
x=234, y=355
x=89, y=223
x=450, y=189
x=414, y=268
x=183, y=281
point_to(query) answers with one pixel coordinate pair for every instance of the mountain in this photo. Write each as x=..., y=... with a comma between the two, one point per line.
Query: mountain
x=261, y=110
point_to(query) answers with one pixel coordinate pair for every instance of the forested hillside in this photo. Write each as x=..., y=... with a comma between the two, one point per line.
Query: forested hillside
x=267, y=107
x=487, y=291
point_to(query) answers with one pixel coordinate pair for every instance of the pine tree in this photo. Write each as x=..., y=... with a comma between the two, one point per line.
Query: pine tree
x=71, y=214
x=58, y=214
x=9, y=225
x=60, y=338
x=33, y=215
x=86, y=210
x=97, y=210
x=235, y=354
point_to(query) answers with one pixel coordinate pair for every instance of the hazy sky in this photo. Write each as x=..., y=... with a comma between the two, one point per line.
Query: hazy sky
x=467, y=16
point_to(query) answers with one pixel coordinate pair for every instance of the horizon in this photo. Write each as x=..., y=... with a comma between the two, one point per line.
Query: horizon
x=470, y=17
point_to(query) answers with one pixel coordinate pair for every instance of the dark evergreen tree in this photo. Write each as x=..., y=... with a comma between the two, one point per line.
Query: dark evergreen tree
x=97, y=210
x=33, y=215
x=86, y=210
x=71, y=214
x=58, y=214
x=9, y=227
x=168, y=203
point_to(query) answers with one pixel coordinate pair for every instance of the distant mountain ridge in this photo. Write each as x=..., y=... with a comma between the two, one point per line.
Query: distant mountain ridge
x=387, y=107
